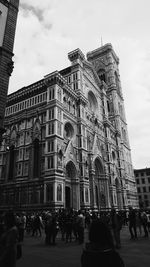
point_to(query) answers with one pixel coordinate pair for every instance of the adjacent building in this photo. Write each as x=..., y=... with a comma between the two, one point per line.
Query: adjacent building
x=8, y=18
x=66, y=142
x=142, y=177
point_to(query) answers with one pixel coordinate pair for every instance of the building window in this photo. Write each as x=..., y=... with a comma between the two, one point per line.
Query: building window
x=149, y=179
x=75, y=76
x=69, y=79
x=59, y=94
x=43, y=117
x=144, y=189
x=59, y=114
x=43, y=132
x=59, y=192
x=51, y=93
x=82, y=195
x=28, y=138
x=142, y=174
x=50, y=162
x=75, y=86
x=26, y=154
x=43, y=148
x=29, y=123
x=21, y=139
x=26, y=168
x=143, y=181
x=86, y=195
x=43, y=164
x=1, y=159
x=19, y=169
x=36, y=161
x=50, y=146
x=145, y=196
x=139, y=190
x=59, y=128
x=51, y=114
x=51, y=128
x=137, y=181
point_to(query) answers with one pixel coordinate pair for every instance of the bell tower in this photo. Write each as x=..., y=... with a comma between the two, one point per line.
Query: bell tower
x=106, y=64
x=8, y=19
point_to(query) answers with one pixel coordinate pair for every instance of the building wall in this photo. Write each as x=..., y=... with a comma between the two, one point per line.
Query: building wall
x=8, y=18
x=142, y=177
x=66, y=143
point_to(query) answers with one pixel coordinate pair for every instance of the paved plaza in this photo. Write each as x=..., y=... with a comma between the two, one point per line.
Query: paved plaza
x=36, y=254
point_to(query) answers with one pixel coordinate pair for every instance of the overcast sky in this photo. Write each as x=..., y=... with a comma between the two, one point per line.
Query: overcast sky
x=47, y=30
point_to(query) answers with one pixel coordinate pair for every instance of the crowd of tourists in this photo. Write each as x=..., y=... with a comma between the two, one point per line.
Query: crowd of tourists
x=104, y=230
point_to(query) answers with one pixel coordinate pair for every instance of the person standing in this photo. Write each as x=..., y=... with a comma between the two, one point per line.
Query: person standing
x=116, y=225
x=80, y=227
x=132, y=223
x=144, y=223
x=8, y=241
x=22, y=226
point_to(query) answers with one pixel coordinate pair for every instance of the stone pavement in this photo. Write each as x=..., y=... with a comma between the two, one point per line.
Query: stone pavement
x=36, y=254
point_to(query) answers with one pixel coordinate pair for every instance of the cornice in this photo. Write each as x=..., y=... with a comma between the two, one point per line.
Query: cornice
x=23, y=92
x=54, y=78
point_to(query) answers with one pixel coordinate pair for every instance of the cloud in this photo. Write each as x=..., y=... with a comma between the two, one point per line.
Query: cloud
x=36, y=11
x=40, y=13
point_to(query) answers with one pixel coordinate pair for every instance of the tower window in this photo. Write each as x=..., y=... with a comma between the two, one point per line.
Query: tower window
x=102, y=75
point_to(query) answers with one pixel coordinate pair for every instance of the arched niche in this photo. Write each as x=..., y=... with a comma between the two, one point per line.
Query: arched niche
x=92, y=101
x=68, y=130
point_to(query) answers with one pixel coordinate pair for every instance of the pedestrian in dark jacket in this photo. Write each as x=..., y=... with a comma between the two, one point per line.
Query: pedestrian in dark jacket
x=116, y=225
x=100, y=251
x=132, y=223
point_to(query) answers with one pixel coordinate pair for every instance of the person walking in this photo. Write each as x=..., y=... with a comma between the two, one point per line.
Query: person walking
x=116, y=226
x=139, y=222
x=132, y=223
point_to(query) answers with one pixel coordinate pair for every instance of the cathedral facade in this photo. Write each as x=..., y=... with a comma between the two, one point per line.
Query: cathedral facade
x=66, y=142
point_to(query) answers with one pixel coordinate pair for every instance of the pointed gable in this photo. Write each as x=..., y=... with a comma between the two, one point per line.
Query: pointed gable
x=88, y=67
x=70, y=152
x=97, y=146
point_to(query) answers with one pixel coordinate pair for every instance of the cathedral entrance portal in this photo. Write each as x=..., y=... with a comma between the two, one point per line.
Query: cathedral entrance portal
x=71, y=187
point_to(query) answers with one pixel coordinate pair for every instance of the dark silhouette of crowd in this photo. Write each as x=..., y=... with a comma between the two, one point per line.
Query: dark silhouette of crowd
x=69, y=226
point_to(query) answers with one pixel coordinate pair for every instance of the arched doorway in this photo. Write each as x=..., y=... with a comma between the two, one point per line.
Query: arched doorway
x=71, y=185
x=100, y=185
